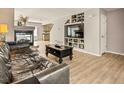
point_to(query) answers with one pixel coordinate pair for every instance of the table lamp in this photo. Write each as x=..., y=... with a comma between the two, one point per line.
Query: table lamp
x=3, y=31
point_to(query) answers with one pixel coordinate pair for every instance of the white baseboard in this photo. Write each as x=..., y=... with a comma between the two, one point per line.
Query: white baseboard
x=81, y=50
x=115, y=53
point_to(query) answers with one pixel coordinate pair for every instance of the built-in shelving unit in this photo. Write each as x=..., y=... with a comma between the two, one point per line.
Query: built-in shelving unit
x=74, y=42
x=77, y=18
x=74, y=31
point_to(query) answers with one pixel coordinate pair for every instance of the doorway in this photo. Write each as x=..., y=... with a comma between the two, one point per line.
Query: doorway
x=46, y=32
x=103, y=34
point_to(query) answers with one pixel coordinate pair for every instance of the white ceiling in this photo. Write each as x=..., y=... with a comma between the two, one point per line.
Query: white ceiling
x=110, y=9
x=46, y=14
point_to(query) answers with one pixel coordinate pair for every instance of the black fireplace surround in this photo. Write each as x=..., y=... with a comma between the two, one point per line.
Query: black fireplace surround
x=24, y=34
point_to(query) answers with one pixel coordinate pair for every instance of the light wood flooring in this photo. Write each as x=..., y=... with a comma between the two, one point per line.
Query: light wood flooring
x=89, y=69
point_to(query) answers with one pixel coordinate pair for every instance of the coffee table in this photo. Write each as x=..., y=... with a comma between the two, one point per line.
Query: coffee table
x=61, y=52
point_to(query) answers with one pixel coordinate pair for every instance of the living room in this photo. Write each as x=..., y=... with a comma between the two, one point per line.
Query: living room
x=93, y=37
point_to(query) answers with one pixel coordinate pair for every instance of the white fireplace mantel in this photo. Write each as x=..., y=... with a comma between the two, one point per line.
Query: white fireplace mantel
x=24, y=28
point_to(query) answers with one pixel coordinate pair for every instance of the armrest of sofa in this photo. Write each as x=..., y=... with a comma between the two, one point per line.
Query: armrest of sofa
x=55, y=75
x=29, y=80
x=11, y=43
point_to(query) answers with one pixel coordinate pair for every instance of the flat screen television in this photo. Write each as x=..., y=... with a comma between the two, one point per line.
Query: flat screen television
x=76, y=31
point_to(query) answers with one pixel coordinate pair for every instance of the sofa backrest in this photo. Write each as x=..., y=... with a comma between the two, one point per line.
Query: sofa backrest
x=5, y=72
x=55, y=75
x=5, y=51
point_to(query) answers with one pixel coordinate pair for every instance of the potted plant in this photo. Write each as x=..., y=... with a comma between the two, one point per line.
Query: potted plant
x=23, y=20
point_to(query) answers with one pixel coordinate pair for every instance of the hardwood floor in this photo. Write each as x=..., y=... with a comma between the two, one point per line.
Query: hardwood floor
x=85, y=68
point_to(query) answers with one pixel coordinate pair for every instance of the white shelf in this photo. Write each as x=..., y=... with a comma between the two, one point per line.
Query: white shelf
x=73, y=23
x=74, y=38
x=77, y=44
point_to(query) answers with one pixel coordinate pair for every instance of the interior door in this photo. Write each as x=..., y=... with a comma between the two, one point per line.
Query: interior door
x=103, y=33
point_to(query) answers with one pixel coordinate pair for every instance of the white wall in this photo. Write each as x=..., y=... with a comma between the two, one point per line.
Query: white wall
x=57, y=31
x=115, y=33
x=39, y=29
x=7, y=17
x=92, y=31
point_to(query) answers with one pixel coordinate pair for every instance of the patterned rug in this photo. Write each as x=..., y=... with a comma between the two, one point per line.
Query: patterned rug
x=27, y=64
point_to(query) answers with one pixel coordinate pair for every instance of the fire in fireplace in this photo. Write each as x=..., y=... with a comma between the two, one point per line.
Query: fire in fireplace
x=24, y=34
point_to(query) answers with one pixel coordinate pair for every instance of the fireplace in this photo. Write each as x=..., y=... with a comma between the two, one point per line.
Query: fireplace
x=24, y=34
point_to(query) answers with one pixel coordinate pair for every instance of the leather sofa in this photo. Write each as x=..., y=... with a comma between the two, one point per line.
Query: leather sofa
x=15, y=45
x=52, y=73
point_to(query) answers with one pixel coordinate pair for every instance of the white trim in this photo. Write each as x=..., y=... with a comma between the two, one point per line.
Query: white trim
x=35, y=21
x=115, y=53
x=101, y=13
x=82, y=50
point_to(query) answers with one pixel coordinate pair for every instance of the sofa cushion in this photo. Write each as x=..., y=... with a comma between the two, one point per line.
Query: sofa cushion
x=5, y=51
x=5, y=73
x=5, y=54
